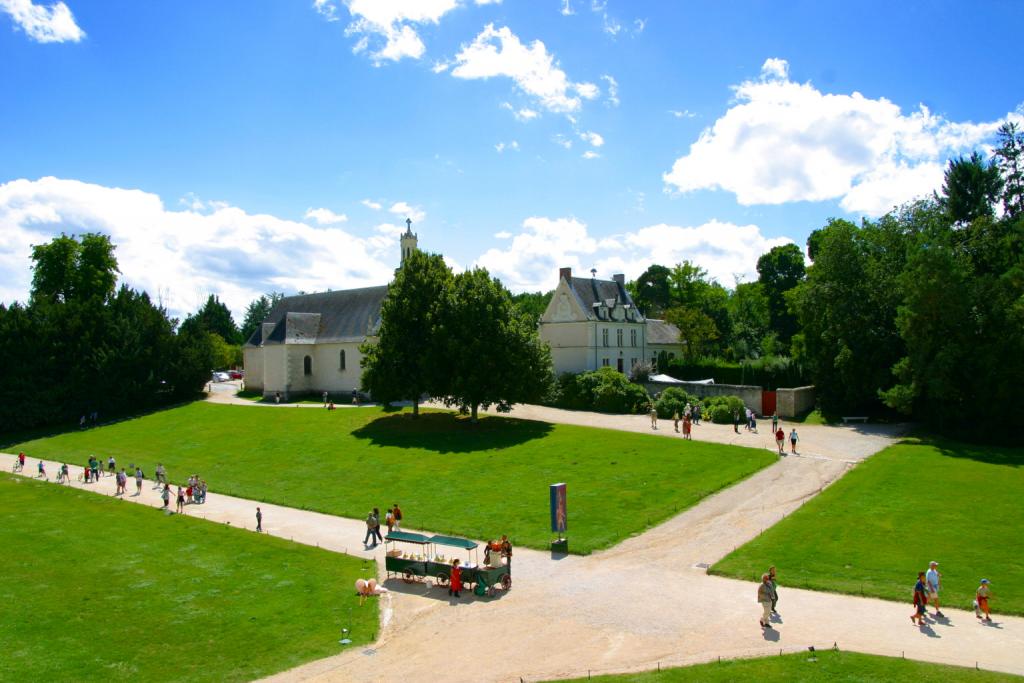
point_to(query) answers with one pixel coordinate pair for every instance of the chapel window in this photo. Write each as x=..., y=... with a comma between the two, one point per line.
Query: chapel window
x=307, y=366
x=618, y=336
x=341, y=365
x=604, y=336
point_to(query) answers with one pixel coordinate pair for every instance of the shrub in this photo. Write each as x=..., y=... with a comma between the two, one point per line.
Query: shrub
x=673, y=400
x=721, y=408
x=605, y=390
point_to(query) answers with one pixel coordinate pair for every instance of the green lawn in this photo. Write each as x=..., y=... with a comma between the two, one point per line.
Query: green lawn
x=94, y=588
x=874, y=529
x=448, y=475
x=835, y=667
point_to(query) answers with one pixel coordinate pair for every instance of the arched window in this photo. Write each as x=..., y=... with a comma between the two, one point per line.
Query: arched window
x=341, y=364
x=307, y=366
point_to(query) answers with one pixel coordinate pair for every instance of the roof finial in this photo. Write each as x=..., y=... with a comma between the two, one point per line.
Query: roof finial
x=408, y=224
x=593, y=272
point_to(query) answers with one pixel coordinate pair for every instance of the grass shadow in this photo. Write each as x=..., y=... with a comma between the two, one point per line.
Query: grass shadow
x=450, y=433
x=993, y=455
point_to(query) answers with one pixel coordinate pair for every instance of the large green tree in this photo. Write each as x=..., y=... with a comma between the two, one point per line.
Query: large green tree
x=1010, y=159
x=751, y=325
x=533, y=303
x=214, y=317
x=650, y=291
x=257, y=311
x=780, y=270
x=74, y=269
x=492, y=353
x=971, y=188
x=407, y=359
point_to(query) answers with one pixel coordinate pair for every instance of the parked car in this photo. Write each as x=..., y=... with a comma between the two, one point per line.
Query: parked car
x=236, y=374
x=221, y=377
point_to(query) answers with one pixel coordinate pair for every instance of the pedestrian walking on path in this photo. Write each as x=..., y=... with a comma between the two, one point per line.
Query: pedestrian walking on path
x=371, y=521
x=111, y=466
x=764, y=596
x=654, y=417
x=376, y=527
x=775, y=422
x=793, y=438
x=675, y=421
x=259, y=521
x=736, y=421
x=773, y=581
x=161, y=475
x=63, y=477
x=780, y=440
x=920, y=600
x=981, y=597
x=180, y=507
x=165, y=495
x=42, y=472
x=389, y=519
x=933, y=580
x=138, y=481
x=398, y=517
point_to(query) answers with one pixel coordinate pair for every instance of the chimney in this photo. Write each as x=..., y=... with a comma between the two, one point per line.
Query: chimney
x=565, y=274
x=620, y=278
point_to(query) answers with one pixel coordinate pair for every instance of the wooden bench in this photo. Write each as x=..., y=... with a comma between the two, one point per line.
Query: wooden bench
x=854, y=419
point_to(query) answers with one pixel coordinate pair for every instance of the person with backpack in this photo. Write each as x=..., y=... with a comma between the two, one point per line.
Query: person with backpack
x=398, y=517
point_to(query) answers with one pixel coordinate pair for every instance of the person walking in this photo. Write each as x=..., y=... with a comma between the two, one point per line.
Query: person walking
x=376, y=527
x=111, y=466
x=455, y=581
x=933, y=580
x=696, y=414
x=746, y=415
x=165, y=495
x=780, y=440
x=259, y=520
x=764, y=596
x=774, y=588
x=981, y=597
x=161, y=475
x=920, y=599
x=687, y=428
x=64, y=477
x=675, y=421
x=506, y=551
x=398, y=517
x=180, y=507
x=736, y=421
x=325, y=399
x=42, y=471
x=793, y=438
x=138, y=481
x=654, y=417
x=389, y=519
x=370, y=521
x=21, y=462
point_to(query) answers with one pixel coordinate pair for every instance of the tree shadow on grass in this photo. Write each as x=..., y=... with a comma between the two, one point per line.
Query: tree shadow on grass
x=449, y=433
x=989, y=454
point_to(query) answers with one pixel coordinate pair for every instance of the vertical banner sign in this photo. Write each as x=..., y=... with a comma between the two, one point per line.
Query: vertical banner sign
x=558, y=517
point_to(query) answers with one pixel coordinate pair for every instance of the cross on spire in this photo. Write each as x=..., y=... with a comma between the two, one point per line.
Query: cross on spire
x=408, y=224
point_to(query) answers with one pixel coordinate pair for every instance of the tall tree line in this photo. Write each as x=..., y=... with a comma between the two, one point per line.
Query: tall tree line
x=82, y=345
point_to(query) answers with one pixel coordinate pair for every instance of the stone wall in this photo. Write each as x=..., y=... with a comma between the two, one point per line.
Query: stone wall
x=750, y=395
x=794, y=402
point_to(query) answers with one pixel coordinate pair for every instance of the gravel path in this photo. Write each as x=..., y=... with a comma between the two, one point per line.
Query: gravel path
x=636, y=605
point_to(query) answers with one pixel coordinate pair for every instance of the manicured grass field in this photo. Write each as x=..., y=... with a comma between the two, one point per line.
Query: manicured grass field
x=874, y=529
x=448, y=475
x=98, y=589
x=835, y=667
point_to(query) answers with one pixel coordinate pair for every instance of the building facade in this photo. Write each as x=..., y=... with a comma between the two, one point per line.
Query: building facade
x=591, y=323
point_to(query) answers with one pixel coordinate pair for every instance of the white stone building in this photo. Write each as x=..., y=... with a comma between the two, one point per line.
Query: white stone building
x=310, y=343
x=591, y=323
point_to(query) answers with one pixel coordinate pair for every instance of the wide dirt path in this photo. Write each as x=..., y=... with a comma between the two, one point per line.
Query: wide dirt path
x=627, y=608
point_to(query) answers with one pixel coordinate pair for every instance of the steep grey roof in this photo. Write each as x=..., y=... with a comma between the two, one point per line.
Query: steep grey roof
x=661, y=332
x=591, y=290
x=345, y=315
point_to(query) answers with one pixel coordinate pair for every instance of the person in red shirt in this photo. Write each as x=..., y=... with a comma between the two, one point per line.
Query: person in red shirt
x=780, y=439
x=21, y=461
x=455, y=582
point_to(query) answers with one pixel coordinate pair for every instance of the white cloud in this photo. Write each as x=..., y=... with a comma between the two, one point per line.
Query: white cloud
x=502, y=146
x=42, y=23
x=566, y=10
x=499, y=52
x=521, y=114
x=390, y=24
x=532, y=259
x=681, y=113
x=613, y=90
x=560, y=139
x=405, y=210
x=503, y=235
x=325, y=216
x=590, y=154
x=783, y=141
x=182, y=256
x=370, y=204
x=592, y=138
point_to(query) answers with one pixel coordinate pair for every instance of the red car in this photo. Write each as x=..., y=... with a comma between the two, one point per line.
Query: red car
x=236, y=374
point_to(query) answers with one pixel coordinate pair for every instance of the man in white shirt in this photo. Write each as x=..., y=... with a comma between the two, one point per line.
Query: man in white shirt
x=933, y=579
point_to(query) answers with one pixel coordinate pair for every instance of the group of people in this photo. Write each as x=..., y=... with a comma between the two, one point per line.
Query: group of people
x=392, y=520
x=691, y=416
x=926, y=591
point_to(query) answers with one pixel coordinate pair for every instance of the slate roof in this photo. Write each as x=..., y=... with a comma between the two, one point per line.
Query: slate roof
x=591, y=290
x=661, y=332
x=345, y=315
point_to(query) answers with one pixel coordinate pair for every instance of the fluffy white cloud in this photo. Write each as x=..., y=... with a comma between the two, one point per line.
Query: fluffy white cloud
x=521, y=114
x=561, y=140
x=391, y=25
x=499, y=52
x=592, y=138
x=370, y=204
x=531, y=260
x=566, y=10
x=325, y=216
x=784, y=141
x=681, y=113
x=590, y=154
x=405, y=210
x=182, y=256
x=502, y=146
x=42, y=23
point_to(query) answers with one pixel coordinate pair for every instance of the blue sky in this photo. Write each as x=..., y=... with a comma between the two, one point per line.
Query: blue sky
x=240, y=147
